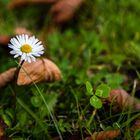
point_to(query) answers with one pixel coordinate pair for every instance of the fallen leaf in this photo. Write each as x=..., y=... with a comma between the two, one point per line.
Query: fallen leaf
x=63, y=10
x=4, y=39
x=136, y=125
x=22, y=30
x=2, y=130
x=41, y=70
x=104, y=135
x=19, y=3
x=7, y=77
x=123, y=99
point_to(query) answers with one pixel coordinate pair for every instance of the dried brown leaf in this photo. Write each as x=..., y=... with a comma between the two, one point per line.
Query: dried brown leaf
x=41, y=70
x=19, y=3
x=123, y=99
x=2, y=130
x=104, y=135
x=4, y=39
x=22, y=30
x=136, y=125
x=7, y=77
x=63, y=10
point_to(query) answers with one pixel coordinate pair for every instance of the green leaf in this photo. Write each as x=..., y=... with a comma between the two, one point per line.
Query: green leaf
x=36, y=101
x=137, y=134
x=95, y=102
x=103, y=91
x=22, y=118
x=89, y=88
x=7, y=120
x=51, y=100
x=116, y=125
x=114, y=80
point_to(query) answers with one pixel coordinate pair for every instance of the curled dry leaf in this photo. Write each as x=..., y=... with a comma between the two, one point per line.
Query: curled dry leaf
x=2, y=130
x=41, y=70
x=104, y=135
x=63, y=10
x=123, y=99
x=4, y=39
x=19, y=3
x=7, y=77
x=22, y=30
x=136, y=125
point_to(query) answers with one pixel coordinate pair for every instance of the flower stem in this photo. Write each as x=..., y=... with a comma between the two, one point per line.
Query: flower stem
x=17, y=71
x=14, y=86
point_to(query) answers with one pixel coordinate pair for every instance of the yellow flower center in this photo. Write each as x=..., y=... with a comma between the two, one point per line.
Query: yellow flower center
x=26, y=48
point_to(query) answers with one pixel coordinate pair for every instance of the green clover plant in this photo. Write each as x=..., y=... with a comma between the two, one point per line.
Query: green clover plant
x=102, y=91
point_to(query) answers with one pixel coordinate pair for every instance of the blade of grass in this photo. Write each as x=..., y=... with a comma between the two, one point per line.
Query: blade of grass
x=78, y=111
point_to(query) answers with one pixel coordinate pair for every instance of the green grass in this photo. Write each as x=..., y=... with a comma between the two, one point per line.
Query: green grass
x=100, y=46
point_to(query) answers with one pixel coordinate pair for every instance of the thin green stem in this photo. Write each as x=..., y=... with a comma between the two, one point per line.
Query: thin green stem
x=78, y=111
x=91, y=118
x=17, y=71
x=52, y=116
x=14, y=86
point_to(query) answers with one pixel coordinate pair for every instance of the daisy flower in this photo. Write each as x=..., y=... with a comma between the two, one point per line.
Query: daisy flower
x=26, y=47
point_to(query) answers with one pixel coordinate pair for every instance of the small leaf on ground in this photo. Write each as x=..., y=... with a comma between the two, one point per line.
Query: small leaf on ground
x=103, y=91
x=19, y=3
x=3, y=126
x=95, y=102
x=104, y=135
x=22, y=30
x=7, y=77
x=136, y=125
x=89, y=88
x=41, y=70
x=4, y=39
x=63, y=10
x=123, y=99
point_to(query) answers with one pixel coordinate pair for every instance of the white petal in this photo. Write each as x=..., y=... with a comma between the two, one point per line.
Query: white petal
x=13, y=43
x=13, y=47
x=26, y=39
x=23, y=56
x=33, y=58
x=17, y=42
x=13, y=52
x=29, y=59
x=38, y=44
x=36, y=54
x=31, y=40
x=23, y=38
x=17, y=55
x=10, y=46
x=35, y=41
x=20, y=39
